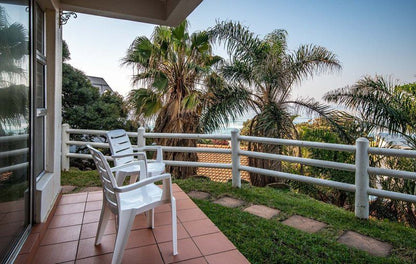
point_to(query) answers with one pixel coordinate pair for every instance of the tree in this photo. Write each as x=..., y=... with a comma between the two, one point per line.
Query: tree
x=14, y=96
x=268, y=70
x=181, y=89
x=82, y=104
x=380, y=104
x=321, y=131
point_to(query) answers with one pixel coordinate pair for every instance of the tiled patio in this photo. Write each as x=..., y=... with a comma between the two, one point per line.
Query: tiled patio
x=69, y=237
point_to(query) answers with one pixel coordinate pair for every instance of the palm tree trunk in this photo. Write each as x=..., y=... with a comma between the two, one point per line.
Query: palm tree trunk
x=182, y=123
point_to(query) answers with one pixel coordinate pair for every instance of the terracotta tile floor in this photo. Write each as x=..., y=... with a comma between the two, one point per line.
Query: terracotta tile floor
x=70, y=235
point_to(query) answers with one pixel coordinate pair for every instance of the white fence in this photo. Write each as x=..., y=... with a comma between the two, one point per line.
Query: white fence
x=361, y=167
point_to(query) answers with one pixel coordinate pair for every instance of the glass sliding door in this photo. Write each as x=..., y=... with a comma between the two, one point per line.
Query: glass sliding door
x=15, y=186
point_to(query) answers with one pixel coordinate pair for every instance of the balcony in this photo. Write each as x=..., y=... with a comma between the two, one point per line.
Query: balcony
x=336, y=224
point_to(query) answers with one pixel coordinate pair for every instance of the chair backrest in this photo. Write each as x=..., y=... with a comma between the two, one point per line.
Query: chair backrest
x=119, y=145
x=107, y=179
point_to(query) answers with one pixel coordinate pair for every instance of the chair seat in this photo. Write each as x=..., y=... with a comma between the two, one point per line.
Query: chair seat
x=153, y=168
x=141, y=197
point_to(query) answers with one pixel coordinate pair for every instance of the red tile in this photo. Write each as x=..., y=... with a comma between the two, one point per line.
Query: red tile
x=140, y=237
x=139, y=222
x=213, y=243
x=95, y=196
x=94, y=216
x=69, y=199
x=101, y=259
x=61, y=234
x=56, y=253
x=193, y=261
x=191, y=215
x=90, y=229
x=200, y=227
x=163, y=208
x=185, y=204
x=87, y=247
x=94, y=205
x=70, y=208
x=229, y=257
x=180, y=196
x=164, y=233
x=66, y=220
x=186, y=250
x=142, y=255
x=29, y=243
x=163, y=218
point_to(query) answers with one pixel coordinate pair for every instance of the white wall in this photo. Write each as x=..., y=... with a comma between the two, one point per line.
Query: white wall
x=49, y=185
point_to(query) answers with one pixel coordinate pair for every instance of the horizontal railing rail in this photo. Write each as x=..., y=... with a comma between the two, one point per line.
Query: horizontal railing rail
x=14, y=152
x=361, y=167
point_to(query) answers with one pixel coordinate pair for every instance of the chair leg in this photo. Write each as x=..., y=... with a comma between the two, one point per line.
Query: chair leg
x=125, y=223
x=150, y=216
x=102, y=224
x=120, y=176
x=133, y=178
x=174, y=227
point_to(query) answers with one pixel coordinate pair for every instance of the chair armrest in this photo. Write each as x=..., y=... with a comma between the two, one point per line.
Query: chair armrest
x=142, y=183
x=135, y=154
x=119, y=167
x=159, y=151
x=141, y=163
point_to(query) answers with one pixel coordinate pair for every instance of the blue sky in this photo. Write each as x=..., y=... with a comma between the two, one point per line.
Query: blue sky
x=369, y=37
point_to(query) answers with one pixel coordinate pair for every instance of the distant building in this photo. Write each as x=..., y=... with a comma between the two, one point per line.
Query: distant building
x=100, y=83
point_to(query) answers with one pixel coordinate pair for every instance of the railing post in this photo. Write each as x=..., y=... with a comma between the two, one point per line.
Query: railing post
x=235, y=158
x=141, y=141
x=362, y=180
x=65, y=148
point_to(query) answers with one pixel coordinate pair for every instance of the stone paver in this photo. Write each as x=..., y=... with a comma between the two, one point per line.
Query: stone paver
x=368, y=244
x=199, y=195
x=68, y=188
x=229, y=202
x=304, y=223
x=262, y=211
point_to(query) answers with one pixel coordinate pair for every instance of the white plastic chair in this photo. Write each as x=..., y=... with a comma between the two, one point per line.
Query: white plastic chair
x=124, y=154
x=128, y=201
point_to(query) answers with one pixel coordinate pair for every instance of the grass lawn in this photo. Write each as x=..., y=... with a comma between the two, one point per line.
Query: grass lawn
x=269, y=241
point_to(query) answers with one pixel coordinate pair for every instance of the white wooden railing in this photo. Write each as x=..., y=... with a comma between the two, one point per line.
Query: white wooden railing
x=361, y=167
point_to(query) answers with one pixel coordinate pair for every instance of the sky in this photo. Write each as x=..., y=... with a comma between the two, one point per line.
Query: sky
x=368, y=36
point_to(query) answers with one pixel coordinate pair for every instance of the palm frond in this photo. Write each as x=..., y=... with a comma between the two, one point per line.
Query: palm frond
x=223, y=103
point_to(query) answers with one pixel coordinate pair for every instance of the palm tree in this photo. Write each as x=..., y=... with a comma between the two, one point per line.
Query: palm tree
x=380, y=104
x=267, y=69
x=182, y=89
x=14, y=96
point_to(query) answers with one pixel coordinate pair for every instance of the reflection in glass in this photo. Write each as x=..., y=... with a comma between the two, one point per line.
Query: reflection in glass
x=14, y=123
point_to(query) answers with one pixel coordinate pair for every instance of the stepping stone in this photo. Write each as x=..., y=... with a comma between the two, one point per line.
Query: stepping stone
x=368, y=244
x=199, y=195
x=304, y=223
x=229, y=202
x=262, y=211
x=68, y=188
